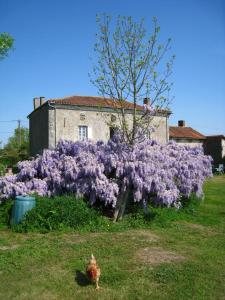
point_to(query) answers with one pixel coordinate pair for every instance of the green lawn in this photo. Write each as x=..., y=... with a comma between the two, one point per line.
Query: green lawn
x=180, y=256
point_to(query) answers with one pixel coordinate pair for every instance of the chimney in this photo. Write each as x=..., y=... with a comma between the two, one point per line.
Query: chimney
x=42, y=100
x=146, y=101
x=37, y=102
x=181, y=123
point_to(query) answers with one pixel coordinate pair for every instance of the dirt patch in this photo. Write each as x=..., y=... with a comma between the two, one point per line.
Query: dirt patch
x=156, y=256
x=195, y=226
x=75, y=240
x=200, y=228
x=5, y=248
x=136, y=235
x=148, y=235
x=36, y=294
x=140, y=235
x=80, y=238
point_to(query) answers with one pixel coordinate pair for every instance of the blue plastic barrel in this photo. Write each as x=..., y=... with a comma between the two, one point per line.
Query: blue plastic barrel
x=21, y=205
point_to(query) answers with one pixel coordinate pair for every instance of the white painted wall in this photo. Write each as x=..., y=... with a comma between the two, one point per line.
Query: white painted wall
x=223, y=147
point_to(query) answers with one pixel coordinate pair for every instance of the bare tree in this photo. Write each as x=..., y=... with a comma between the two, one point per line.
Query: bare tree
x=132, y=65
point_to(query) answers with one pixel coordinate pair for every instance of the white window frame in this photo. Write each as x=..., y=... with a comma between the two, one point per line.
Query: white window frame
x=83, y=132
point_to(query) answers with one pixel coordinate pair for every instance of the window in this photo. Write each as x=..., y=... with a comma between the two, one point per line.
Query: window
x=83, y=133
x=111, y=132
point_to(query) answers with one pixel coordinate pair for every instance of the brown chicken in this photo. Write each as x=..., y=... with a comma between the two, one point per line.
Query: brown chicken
x=93, y=271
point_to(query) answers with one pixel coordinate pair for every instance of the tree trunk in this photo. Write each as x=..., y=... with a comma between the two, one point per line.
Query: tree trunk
x=121, y=205
x=145, y=207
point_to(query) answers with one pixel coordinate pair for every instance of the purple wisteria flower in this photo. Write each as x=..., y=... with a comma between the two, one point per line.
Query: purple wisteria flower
x=151, y=171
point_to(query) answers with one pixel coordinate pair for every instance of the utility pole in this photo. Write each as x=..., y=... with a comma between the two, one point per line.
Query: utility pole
x=19, y=131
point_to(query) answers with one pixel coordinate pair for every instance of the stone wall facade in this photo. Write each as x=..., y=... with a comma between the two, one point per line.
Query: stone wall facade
x=39, y=130
x=50, y=123
x=188, y=142
x=98, y=122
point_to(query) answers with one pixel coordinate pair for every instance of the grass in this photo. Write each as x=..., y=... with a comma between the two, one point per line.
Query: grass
x=179, y=255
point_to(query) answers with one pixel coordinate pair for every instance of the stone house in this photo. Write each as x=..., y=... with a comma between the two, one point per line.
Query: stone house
x=215, y=146
x=81, y=117
x=186, y=135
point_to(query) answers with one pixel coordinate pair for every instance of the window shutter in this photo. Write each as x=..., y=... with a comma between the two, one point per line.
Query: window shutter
x=89, y=132
x=77, y=134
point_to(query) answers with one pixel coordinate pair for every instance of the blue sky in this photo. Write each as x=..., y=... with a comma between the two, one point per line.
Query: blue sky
x=54, y=45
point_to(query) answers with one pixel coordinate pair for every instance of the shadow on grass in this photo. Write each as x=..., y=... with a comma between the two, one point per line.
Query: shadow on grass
x=81, y=278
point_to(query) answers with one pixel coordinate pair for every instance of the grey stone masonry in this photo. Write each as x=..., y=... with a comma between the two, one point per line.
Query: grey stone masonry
x=52, y=121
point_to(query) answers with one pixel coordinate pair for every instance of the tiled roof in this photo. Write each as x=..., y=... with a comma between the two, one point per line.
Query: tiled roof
x=97, y=102
x=178, y=132
x=92, y=101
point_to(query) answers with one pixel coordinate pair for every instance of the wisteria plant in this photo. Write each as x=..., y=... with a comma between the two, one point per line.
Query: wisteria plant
x=113, y=172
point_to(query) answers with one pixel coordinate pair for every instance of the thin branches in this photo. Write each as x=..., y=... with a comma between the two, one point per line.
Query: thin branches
x=128, y=69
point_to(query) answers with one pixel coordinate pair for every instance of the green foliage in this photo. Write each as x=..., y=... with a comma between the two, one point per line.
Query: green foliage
x=62, y=213
x=2, y=168
x=20, y=138
x=68, y=213
x=5, y=212
x=17, y=148
x=159, y=216
x=6, y=44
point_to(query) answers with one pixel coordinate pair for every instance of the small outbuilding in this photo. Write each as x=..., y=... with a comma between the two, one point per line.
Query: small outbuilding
x=215, y=146
x=186, y=135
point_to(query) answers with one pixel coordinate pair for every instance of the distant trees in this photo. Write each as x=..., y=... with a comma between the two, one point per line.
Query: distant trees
x=6, y=44
x=17, y=148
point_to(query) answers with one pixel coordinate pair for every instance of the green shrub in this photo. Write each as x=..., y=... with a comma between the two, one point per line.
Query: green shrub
x=165, y=217
x=2, y=169
x=61, y=213
x=70, y=213
x=5, y=212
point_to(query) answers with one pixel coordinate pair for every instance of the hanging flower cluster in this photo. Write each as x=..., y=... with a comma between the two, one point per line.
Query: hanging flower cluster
x=162, y=173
